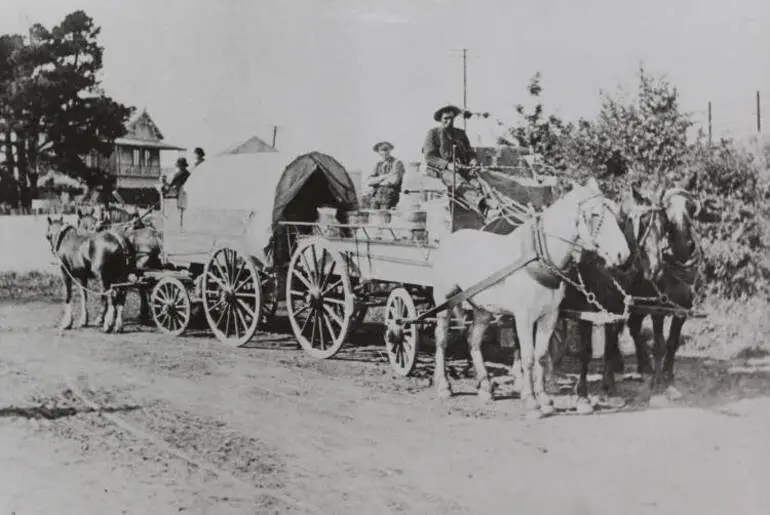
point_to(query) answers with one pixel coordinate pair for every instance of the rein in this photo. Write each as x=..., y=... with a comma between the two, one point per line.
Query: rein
x=60, y=238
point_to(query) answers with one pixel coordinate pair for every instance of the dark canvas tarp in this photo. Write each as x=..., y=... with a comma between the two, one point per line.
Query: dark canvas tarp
x=310, y=181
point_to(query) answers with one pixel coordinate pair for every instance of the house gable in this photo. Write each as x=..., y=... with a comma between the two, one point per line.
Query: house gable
x=143, y=128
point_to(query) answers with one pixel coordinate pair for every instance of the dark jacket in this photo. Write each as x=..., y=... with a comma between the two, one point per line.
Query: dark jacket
x=438, y=147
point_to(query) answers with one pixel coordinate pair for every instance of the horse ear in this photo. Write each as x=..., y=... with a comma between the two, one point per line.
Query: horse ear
x=593, y=185
x=48, y=217
x=637, y=195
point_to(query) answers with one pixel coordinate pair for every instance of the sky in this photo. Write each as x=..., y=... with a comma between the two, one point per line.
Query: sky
x=338, y=76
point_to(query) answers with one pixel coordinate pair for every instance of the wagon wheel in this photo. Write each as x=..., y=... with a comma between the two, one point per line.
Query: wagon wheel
x=319, y=298
x=401, y=341
x=171, y=306
x=232, y=296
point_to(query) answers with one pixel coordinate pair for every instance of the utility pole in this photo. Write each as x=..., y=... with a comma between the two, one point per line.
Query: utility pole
x=465, y=88
x=275, y=133
x=709, y=122
x=759, y=116
x=464, y=54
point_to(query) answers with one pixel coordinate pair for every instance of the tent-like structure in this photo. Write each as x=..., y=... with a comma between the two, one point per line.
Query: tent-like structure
x=253, y=145
x=269, y=188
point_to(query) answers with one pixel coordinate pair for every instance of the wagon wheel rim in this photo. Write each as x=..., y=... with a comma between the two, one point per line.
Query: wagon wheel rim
x=401, y=342
x=232, y=296
x=171, y=307
x=319, y=298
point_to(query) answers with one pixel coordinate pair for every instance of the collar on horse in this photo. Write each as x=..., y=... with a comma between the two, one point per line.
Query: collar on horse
x=60, y=237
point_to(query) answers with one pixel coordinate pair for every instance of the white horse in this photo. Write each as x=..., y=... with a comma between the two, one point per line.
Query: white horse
x=582, y=220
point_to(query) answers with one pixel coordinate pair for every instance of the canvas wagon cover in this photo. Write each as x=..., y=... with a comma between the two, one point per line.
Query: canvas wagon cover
x=243, y=196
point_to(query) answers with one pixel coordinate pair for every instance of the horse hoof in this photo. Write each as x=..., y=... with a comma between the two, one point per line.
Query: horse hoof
x=612, y=402
x=65, y=327
x=547, y=410
x=444, y=393
x=584, y=406
x=659, y=401
x=83, y=323
x=484, y=397
x=533, y=414
x=673, y=394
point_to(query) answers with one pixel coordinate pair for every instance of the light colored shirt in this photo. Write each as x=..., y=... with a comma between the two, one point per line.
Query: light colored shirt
x=389, y=172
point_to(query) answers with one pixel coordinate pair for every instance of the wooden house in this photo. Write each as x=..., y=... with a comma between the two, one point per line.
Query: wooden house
x=135, y=160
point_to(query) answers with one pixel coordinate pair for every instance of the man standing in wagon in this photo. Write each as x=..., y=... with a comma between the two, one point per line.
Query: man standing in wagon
x=384, y=183
x=446, y=147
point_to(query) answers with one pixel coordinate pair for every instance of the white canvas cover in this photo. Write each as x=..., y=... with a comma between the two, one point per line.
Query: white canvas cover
x=234, y=193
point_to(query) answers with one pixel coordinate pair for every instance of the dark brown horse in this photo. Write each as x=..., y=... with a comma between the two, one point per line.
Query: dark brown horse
x=661, y=273
x=103, y=256
x=675, y=265
x=645, y=234
x=144, y=241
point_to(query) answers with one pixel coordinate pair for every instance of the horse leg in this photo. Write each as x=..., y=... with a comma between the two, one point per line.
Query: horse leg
x=109, y=317
x=584, y=406
x=659, y=350
x=120, y=301
x=643, y=364
x=517, y=371
x=672, y=345
x=542, y=347
x=525, y=332
x=611, y=357
x=481, y=320
x=102, y=312
x=83, y=283
x=443, y=387
x=144, y=307
x=66, y=322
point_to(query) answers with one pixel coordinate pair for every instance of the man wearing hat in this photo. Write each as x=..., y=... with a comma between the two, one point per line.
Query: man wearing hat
x=180, y=177
x=384, y=183
x=447, y=146
x=200, y=156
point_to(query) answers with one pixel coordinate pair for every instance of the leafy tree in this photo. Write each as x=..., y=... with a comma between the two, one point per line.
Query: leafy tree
x=56, y=107
x=646, y=136
x=544, y=134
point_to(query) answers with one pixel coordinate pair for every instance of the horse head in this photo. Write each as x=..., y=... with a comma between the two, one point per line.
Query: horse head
x=644, y=224
x=56, y=230
x=680, y=208
x=88, y=222
x=597, y=225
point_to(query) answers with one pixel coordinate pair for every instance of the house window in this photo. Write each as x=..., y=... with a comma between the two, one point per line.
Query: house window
x=135, y=158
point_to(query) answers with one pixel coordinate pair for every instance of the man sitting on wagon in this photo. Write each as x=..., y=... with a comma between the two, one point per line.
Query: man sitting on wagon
x=384, y=183
x=444, y=149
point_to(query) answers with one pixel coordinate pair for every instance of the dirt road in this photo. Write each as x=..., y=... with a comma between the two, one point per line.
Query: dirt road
x=144, y=423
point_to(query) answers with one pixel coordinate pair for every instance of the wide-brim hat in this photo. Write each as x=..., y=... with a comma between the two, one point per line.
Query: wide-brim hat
x=388, y=144
x=449, y=108
x=181, y=161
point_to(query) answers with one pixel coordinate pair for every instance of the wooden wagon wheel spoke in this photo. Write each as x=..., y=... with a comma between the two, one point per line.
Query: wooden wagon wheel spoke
x=333, y=315
x=328, y=289
x=317, y=322
x=232, y=296
x=171, y=306
x=401, y=342
x=318, y=285
x=247, y=308
x=326, y=275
